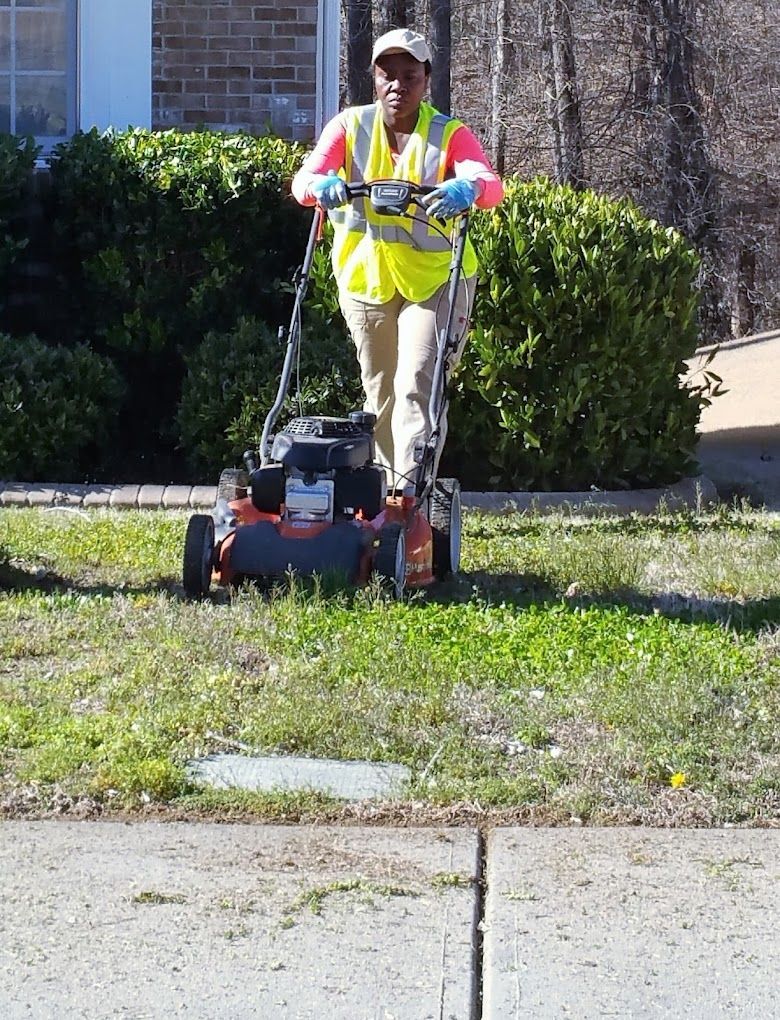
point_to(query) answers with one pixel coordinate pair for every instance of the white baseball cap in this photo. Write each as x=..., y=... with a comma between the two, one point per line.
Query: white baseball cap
x=402, y=40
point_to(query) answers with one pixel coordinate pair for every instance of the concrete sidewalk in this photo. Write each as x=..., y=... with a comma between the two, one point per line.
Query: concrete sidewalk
x=218, y=922
x=101, y=919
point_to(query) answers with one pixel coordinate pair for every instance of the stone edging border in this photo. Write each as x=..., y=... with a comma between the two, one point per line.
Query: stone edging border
x=692, y=492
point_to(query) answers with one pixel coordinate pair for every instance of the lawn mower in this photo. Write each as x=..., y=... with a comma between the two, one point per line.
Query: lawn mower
x=312, y=499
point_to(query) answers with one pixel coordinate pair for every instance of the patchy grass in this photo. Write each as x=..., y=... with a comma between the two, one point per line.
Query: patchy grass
x=614, y=671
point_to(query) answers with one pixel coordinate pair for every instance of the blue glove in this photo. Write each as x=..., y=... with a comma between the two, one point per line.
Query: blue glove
x=451, y=197
x=329, y=190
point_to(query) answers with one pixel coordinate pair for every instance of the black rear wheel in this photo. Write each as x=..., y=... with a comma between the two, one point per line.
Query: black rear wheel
x=233, y=484
x=198, y=555
x=445, y=523
x=390, y=559
x=268, y=488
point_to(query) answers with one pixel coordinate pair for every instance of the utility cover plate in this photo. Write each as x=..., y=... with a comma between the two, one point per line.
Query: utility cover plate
x=347, y=780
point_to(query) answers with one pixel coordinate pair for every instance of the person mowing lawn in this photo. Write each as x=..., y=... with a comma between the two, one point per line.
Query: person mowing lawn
x=392, y=277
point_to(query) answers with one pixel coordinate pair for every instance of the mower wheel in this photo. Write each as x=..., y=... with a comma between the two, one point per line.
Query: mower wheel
x=390, y=558
x=233, y=484
x=445, y=521
x=198, y=555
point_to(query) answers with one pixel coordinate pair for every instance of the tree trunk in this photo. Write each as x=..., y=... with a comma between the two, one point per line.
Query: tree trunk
x=359, y=86
x=687, y=178
x=440, y=40
x=502, y=69
x=688, y=185
x=563, y=104
x=549, y=90
x=743, y=311
x=668, y=27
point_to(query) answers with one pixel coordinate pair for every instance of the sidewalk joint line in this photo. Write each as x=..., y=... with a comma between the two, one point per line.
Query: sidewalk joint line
x=480, y=891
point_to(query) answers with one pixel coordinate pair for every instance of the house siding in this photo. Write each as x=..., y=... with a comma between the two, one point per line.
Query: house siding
x=235, y=64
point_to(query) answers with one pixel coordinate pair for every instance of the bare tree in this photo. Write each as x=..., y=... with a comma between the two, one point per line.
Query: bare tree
x=440, y=34
x=563, y=104
x=743, y=309
x=358, y=25
x=687, y=179
x=500, y=83
x=394, y=14
x=673, y=102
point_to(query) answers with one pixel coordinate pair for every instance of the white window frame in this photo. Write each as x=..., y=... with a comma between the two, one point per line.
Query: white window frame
x=115, y=64
x=111, y=41
x=70, y=76
x=328, y=42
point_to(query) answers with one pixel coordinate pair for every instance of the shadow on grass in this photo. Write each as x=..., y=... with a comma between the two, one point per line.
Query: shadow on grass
x=520, y=591
x=524, y=590
x=13, y=578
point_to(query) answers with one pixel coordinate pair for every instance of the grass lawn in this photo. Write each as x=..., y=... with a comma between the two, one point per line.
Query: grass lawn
x=605, y=671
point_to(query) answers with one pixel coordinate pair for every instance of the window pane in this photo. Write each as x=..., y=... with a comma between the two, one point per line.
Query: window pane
x=41, y=41
x=5, y=41
x=41, y=106
x=5, y=104
x=39, y=3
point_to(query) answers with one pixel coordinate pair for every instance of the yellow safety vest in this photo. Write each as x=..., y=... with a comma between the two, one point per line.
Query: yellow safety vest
x=375, y=256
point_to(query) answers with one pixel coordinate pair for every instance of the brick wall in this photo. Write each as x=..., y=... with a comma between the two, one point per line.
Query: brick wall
x=235, y=64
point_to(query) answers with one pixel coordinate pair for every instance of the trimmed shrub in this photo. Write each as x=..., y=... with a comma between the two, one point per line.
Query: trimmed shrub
x=17, y=158
x=57, y=406
x=232, y=380
x=585, y=313
x=165, y=231
x=161, y=237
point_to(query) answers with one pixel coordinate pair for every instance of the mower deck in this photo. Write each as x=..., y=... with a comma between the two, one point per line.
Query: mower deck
x=268, y=546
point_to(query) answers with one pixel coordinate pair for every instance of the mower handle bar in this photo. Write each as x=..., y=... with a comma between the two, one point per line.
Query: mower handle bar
x=362, y=189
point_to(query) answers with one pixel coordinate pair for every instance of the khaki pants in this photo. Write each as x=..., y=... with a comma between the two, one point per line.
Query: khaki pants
x=396, y=348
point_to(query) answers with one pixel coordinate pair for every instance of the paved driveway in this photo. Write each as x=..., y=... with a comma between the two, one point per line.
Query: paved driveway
x=739, y=447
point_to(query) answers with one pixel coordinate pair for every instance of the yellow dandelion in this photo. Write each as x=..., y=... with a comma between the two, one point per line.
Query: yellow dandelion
x=677, y=780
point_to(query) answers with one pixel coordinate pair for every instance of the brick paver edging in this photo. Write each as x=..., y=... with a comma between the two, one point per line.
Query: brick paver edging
x=690, y=492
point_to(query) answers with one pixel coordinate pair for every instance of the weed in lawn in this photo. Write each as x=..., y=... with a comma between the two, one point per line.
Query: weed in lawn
x=314, y=898
x=155, y=898
x=596, y=564
x=282, y=806
x=451, y=880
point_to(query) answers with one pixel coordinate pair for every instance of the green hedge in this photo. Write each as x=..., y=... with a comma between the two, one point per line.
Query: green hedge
x=174, y=252
x=585, y=314
x=160, y=238
x=232, y=381
x=57, y=410
x=17, y=157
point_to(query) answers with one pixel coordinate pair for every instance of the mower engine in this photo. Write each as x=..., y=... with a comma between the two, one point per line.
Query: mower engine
x=306, y=500
x=321, y=470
